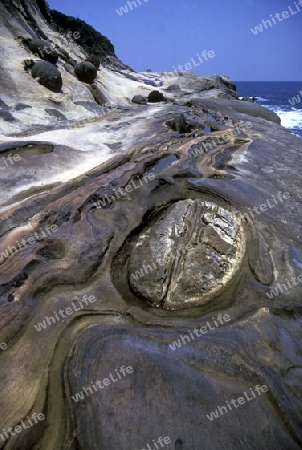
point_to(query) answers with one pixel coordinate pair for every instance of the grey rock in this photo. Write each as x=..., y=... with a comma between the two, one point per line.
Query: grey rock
x=86, y=72
x=21, y=106
x=3, y=105
x=6, y=116
x=155, y=97
x=28, y=64
x=139, y=100
x=43, y=50
x=228, y=82
x=184, y=275
x=98, y=95
x=218, y=258
x=63, y=53
x=95, y=60
x=174, y=87
x=48, y=75
x=252, y=109
x=72, y=62
x=149, y=82
x=90, y=106
x=185, y=123
x=203, y=85
x=55, y=113
x=249, y=99
x=69, y=68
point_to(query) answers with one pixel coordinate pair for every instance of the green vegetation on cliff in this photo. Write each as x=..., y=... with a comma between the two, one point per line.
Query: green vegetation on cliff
x=90, y=40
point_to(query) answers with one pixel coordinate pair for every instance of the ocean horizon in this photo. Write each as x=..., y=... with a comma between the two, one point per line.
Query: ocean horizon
x=282, y=97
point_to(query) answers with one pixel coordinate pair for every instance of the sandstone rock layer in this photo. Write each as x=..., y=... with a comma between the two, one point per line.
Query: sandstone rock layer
x=150, y=260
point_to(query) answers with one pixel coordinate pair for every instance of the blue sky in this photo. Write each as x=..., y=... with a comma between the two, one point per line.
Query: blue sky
x=162, y=34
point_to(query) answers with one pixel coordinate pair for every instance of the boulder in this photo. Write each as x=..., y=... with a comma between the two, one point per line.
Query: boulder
x=185, y=123
x=173, y=87
x=139, y=100
x=43, y=50
x=86, y=72
x=249, y=99
x=252, y=109
x=28, y=64
x=95, y=60
x=48, y=75
x=155, y=97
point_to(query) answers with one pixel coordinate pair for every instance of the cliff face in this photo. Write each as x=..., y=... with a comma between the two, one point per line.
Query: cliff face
x=28, y=36
x=54, y=96
x=150, y=258
x=30, y=15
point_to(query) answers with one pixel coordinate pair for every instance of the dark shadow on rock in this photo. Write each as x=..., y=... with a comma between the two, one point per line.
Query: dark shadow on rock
x=6, y=116
x=55, y=113
x=90, y=106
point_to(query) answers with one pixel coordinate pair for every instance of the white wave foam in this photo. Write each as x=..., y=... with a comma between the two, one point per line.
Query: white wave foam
x=289, y=119
x=261, y=99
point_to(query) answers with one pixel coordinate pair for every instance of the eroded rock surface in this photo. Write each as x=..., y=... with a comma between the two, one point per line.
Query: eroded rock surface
x=218, y=312
x=189, y=254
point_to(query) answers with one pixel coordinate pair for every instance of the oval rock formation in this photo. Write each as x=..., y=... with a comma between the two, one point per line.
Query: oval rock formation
x=190, y=254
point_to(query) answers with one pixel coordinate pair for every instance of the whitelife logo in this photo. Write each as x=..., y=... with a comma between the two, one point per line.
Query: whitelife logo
x=49, y=320
x=9, y=160
x=166, y=440
x=241, y=401
x=203, y=330
x=3, y=346
x=124, y=9
x=284, y=14
x=103, y=383
x=204, y=54
x=213, y=142
x=282, y=287
x=140, y=273
x=269, y=203
x=120, y=191
x=31, y=240
x=22, y=426
x=295, y=100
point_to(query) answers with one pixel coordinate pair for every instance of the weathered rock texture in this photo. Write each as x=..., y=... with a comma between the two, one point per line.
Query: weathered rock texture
x=198, y=248
x=88, y=227
x=47, y=75
x=86, y=72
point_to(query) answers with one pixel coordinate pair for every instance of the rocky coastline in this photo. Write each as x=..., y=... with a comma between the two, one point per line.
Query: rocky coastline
x=190, y=161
